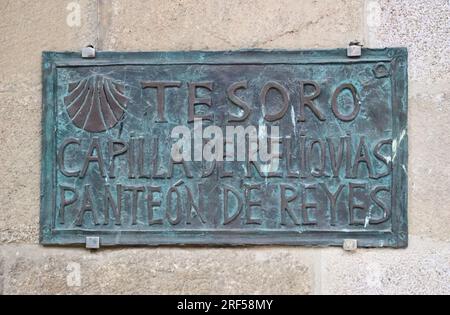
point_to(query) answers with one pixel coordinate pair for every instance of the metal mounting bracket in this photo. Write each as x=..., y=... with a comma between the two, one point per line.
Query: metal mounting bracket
x=88, y=52
x=92, y=242
x=354, y=49
x=350, y=245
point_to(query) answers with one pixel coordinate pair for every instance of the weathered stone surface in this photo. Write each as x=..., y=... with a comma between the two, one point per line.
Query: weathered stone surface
x=422, y=26
x=217, y=24
x=1, y=275
x=423, y=268
x=429, y=169
x=19, y=166
x=30, y=27
x=158, y=271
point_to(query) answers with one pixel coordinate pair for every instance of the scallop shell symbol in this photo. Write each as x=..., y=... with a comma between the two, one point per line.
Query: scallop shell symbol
x=95, y=104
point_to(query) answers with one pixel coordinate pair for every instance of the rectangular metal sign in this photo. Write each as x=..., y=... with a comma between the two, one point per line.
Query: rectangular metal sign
x=245, y=147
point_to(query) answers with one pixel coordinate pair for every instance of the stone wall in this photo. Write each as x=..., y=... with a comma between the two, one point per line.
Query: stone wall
x=30, y=27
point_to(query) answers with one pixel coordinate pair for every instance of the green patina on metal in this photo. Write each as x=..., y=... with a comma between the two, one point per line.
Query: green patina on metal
x=108, y=172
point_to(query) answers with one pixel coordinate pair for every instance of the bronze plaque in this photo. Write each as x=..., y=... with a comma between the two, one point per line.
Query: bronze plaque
x=245, y=147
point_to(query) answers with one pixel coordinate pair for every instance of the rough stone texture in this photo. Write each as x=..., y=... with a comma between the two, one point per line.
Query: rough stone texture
x=19, y=166
x=429, y=168
x=29, y=27
x=421, y=25
x=1, y=275
x=32, y=270
x=423, y=268
x=233, y=24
